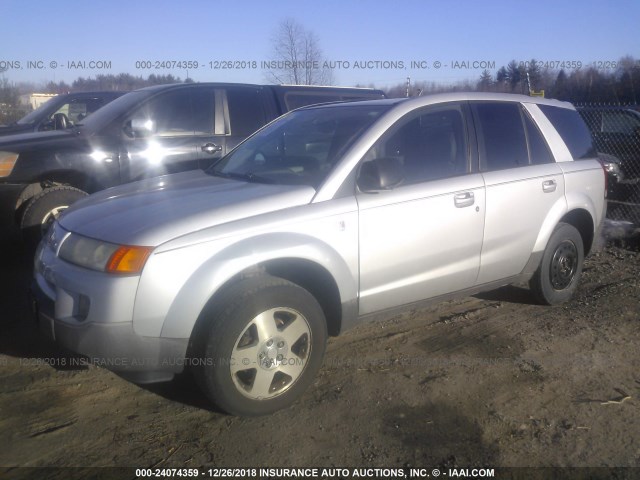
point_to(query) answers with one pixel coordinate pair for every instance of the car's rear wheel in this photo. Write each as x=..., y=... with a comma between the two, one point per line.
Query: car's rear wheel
x=42, y=210
x=559, y=272
x=262, y=342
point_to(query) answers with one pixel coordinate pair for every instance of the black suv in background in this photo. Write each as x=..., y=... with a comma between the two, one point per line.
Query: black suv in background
x=145, y=133
x=616, y=131
x=60, y=112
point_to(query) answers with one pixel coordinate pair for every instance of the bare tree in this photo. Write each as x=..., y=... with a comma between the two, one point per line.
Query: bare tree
x=298, y=59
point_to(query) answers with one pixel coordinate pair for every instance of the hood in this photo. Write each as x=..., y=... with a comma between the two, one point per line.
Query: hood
x=15, y=128
x=151, y=212
x=33, y=138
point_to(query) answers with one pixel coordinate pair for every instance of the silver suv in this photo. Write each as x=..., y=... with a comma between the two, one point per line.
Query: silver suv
x=319, y=220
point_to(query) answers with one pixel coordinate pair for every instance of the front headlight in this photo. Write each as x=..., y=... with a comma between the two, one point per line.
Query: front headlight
x=7, y=162
x=103, y=256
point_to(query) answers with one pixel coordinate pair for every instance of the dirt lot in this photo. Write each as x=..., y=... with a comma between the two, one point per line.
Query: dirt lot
x=488, y=381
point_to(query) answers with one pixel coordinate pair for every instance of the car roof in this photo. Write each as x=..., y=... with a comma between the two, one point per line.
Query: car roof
x=275, y=86
x=439, y=98
x=91, y=93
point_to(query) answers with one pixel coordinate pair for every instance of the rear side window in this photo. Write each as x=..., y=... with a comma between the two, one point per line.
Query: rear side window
x=538, y=149
x=572, y=129
x=501, y=136
x=246, y=111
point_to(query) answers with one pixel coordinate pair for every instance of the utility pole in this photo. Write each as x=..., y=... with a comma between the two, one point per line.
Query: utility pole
x=408, y=85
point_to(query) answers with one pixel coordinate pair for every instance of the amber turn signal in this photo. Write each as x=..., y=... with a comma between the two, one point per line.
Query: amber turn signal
x=128, y=259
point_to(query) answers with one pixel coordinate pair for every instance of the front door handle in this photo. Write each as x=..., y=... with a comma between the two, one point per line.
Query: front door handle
x=462, y=200
x=211, y=148
x=549, y=186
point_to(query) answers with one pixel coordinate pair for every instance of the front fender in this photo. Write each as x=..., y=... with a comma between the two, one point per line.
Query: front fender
x=218, y=270
x=169, y=305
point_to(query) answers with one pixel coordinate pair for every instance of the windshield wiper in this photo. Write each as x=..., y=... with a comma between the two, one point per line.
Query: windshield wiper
x=247, y=177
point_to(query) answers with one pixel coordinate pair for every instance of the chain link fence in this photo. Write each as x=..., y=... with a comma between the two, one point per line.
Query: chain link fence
x=616, y=135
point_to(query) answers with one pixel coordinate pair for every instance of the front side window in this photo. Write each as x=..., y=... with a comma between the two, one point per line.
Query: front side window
x=299, y=149
x=168, y=115
x=204, y=113
x=428, y=146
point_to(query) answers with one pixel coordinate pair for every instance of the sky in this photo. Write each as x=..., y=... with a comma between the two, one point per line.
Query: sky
x=369, y=42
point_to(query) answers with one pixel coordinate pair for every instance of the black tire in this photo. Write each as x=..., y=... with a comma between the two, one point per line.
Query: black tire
x=44, y=208
x=259, y=346
x=559, y=272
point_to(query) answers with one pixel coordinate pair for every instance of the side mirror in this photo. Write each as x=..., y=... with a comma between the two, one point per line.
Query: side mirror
x=380, y=174
x=139, y=127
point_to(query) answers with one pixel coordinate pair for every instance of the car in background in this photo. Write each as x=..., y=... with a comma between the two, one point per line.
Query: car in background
x=145, y=133
x=615, y=176
x=616, y=132
x=60, y=112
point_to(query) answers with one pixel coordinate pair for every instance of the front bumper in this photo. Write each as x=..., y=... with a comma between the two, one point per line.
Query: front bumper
x=83, y=311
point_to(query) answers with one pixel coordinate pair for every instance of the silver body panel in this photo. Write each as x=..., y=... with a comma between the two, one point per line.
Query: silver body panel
x=383, y=249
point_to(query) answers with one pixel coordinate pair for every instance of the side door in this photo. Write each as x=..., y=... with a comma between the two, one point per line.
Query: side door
x=522, y=181
x=239, y=111
x=422, y=238
x=159, y=136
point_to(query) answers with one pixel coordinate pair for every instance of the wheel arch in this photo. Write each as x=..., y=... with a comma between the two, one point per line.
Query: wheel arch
x=576, y=209
x=317, y=280
x=72, y=178
x=300, y=259
x=582, y=220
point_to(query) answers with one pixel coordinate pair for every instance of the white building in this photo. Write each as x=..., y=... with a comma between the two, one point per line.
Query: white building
x=34, y=100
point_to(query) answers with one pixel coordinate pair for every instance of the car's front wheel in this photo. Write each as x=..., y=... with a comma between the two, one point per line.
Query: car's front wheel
x=262, y=343
x=557, y=277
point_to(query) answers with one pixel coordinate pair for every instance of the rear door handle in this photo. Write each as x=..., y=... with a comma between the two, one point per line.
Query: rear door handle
x=211, y=148
x=462, y=200
x=549, y=186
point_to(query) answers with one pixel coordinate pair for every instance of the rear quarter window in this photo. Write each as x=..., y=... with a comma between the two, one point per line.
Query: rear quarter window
x=573, y=131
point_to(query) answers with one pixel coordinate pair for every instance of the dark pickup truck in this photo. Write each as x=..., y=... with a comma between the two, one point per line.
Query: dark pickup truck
x=145, y=133
x=61, y=112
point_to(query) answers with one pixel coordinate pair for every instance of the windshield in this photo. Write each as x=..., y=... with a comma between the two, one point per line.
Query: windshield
x=300, y=148
x=35, y=115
